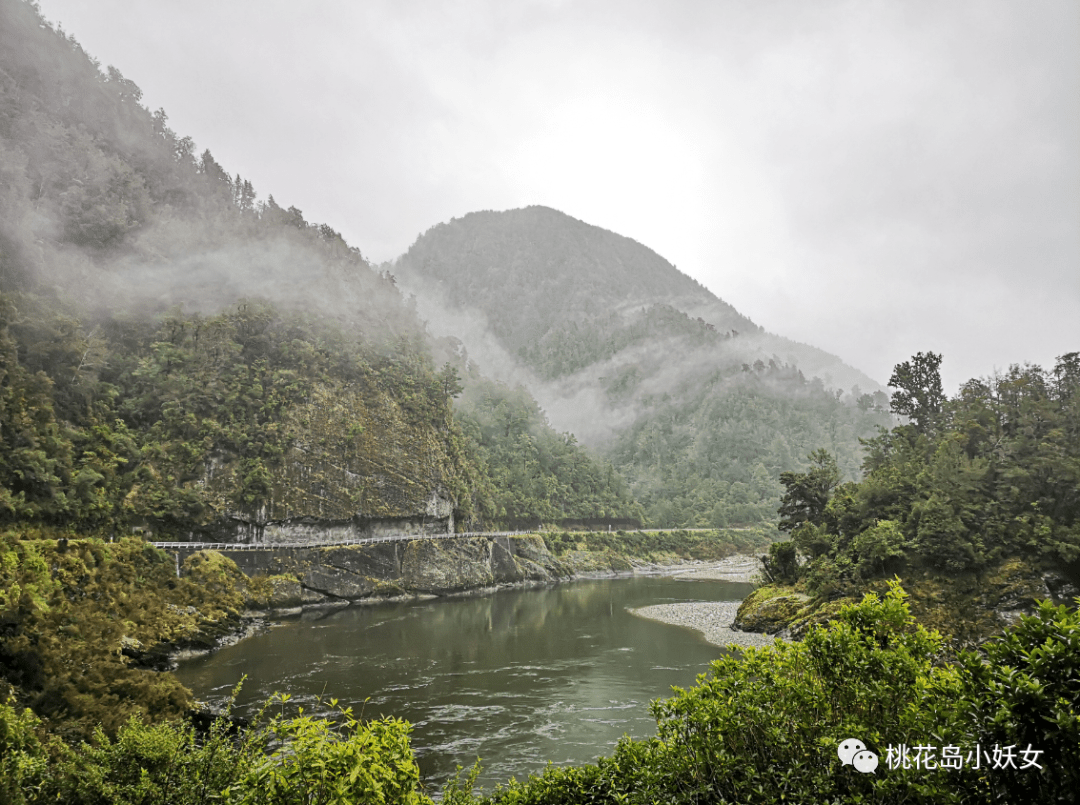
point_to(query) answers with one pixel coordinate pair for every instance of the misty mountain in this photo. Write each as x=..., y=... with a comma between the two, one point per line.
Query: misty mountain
x=698, y=406
x=177, y=354
x=559, y=293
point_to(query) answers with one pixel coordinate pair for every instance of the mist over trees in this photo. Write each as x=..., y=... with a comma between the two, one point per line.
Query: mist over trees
x=689, y=400
x=176, y=351
x=536, y=474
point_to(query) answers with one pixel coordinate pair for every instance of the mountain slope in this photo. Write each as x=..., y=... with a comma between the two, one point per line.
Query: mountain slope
x=640, y=360
x=542, y=278
x=175, y=354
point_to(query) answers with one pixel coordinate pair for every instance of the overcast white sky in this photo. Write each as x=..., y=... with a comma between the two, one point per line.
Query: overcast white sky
x=874, y=178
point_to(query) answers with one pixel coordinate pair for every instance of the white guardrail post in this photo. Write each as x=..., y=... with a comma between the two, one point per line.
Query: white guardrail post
x=264, y=546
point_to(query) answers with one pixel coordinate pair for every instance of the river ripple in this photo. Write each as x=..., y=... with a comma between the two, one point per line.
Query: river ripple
x=518, y=677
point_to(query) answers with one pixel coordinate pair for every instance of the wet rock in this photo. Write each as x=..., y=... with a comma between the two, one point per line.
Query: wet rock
x=765, y=611
x=311, y=597
x=536, y=560
x=334, y=582
x=1061, y=588
x=381, y=560
x=433, y=566
x=504, y=568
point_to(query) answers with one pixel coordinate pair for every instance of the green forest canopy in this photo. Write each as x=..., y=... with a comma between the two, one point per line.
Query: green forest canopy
x=991, y=473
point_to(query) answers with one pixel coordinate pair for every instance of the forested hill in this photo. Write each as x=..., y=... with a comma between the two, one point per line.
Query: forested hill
x=561, y=295
x=975, y=503
x=698, y=407
x=178, y=353
x=540, y=275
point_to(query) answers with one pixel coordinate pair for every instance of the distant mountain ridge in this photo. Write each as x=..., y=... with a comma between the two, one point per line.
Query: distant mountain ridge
x=538, y=253
x=621, y=348
x=534, y=272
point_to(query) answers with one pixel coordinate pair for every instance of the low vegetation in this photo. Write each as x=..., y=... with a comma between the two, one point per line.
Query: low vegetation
x=761, y=727
x=661, y=546
x=83, y=623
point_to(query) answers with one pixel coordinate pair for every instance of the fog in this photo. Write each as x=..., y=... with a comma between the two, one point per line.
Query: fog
x=872, y=178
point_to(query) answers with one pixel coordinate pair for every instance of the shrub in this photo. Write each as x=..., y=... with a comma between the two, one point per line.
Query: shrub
x=279, y=762
x=764, y=727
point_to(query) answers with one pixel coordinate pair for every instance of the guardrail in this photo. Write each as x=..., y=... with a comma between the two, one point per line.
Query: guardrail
x=262, y=546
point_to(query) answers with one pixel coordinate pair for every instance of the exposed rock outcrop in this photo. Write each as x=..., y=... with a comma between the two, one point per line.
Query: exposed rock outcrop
x=318, y=576
x=768, y=611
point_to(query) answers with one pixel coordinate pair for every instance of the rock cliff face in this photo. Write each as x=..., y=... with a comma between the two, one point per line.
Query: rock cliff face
x=359, y=464
x=340, y=575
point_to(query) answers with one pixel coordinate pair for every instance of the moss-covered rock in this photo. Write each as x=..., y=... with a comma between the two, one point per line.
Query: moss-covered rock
x=439, y=566
x=770, y=609
x=272, y=592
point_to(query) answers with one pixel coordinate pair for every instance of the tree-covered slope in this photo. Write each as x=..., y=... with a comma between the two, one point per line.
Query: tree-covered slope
x=696, y=405
x=561, y=294
x=537, y=273
x=710, y=453
x=975, y=503
x=175, y=353
x=535, y=474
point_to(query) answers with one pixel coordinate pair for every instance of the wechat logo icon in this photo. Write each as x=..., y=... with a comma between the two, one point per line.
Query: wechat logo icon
x=853, y=752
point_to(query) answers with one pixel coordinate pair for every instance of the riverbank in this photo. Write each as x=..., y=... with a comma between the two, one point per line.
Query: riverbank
x=271, y=598
x=740, y=568
x=712, y=619
x=277, y=579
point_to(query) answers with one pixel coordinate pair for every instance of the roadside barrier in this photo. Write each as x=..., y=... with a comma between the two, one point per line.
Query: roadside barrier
x=262, y=546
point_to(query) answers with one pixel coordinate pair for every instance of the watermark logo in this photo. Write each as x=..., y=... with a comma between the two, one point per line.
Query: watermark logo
x=926, y=756
x=853, y=752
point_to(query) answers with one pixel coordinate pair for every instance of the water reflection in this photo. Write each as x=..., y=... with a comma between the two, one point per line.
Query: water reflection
x=519, y=677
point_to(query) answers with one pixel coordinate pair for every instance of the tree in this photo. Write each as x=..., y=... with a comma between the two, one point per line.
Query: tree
x=919, y=395
x=209, y=166
x=1021, y=691
x=808, y=493
x=781, y=565
x=449, y=382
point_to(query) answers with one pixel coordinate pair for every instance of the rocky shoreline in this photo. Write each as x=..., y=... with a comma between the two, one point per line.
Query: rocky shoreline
x=290, y=599
x=714, y=619
x=739, y=568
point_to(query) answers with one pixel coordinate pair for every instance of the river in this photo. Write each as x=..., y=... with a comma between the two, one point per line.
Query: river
x=518, y=677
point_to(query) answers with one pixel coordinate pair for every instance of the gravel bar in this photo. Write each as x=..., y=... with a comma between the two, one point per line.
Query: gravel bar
x=734, y=568
x=713, y=619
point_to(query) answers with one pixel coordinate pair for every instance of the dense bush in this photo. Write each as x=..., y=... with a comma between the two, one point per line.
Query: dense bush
x=80, y=618
x=992, y=473
x=764, y=727
x=283, y=761
x=649, y=545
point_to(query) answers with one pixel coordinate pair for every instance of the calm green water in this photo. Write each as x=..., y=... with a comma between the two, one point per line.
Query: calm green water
x=517, y=677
